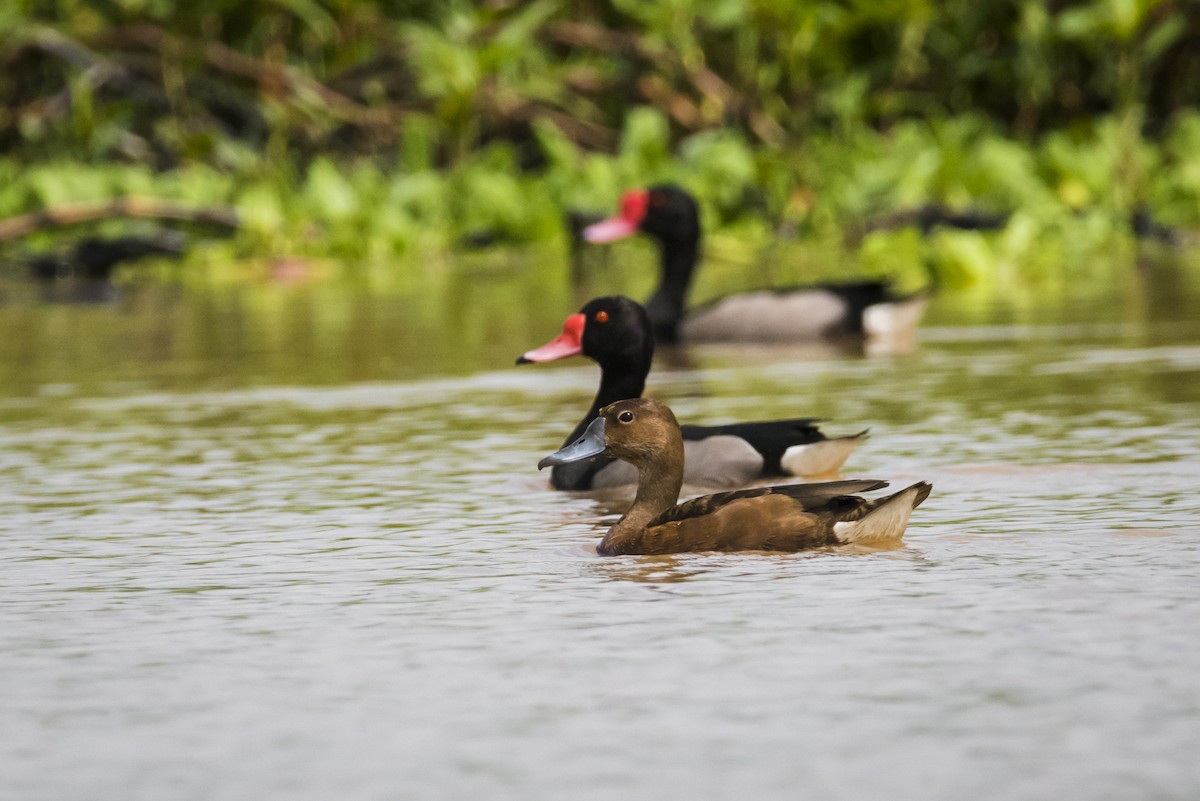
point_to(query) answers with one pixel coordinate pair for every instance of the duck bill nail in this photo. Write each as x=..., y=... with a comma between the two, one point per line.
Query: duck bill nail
x=609, y=230
x=588, y=445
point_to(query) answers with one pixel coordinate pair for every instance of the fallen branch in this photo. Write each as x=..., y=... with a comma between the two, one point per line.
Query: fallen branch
x=141, y=207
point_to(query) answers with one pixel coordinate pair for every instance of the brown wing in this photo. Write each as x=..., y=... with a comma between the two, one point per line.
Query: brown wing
x=809, y=496
x=767, y=522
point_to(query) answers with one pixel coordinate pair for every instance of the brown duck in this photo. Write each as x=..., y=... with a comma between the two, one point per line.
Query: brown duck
x=644, y=433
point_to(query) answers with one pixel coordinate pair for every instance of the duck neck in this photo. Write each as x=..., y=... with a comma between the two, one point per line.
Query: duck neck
x=614, y=386
x=658, y=490
x=616, y=383
x=678, y=257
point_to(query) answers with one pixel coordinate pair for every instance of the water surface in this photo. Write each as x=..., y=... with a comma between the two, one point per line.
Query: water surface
x=291, y=543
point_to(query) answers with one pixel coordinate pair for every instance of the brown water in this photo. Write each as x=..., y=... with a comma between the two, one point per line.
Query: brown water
x=289, y=542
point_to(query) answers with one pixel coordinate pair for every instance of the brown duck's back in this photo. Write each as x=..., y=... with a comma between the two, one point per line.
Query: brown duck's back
x=761, y=523
x=779, y=518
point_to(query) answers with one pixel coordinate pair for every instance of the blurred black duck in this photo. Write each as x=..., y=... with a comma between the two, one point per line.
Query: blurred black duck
x=834, y=311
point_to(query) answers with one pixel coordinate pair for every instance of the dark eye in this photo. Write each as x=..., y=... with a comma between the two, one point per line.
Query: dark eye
x=602, y=316
x=625, y=417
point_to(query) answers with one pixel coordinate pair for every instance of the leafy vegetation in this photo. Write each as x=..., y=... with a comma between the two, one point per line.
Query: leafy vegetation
x=371, y=130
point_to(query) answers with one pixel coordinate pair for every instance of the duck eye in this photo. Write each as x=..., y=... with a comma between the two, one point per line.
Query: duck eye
x=601, y=316
x=625, y=417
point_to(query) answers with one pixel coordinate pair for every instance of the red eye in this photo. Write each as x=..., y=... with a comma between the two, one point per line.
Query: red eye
x=602, y=317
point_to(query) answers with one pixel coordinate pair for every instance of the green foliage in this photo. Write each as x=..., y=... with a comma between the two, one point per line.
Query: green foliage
x=1173, y=184
x=721, y=167
x=346, y=75
x=644, y=142
x=371, y=130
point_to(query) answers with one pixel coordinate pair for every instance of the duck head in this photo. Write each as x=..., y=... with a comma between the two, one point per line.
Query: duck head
x=641, y=431
x=613, y=331
x=664, y=211
x=670, y=215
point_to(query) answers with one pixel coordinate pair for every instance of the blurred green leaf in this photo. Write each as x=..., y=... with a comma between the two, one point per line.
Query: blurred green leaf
x=328, y=191
x=721, y=164
x=1162, y=38
x=261, y=210
x=644, y=141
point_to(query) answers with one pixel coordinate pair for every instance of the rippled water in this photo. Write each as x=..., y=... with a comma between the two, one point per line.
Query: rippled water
x=347, y=588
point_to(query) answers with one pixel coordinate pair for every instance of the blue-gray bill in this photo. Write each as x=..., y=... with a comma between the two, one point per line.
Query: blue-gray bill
x=588, y=445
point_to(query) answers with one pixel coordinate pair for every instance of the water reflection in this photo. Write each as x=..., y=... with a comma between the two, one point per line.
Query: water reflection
x=677, y=569
x=668, y=569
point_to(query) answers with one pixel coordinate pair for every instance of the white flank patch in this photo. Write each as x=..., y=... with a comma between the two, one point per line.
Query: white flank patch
x=890, y=320
x=885, y=523
x=766, y=317
x=819, y=458
x=720, y=461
